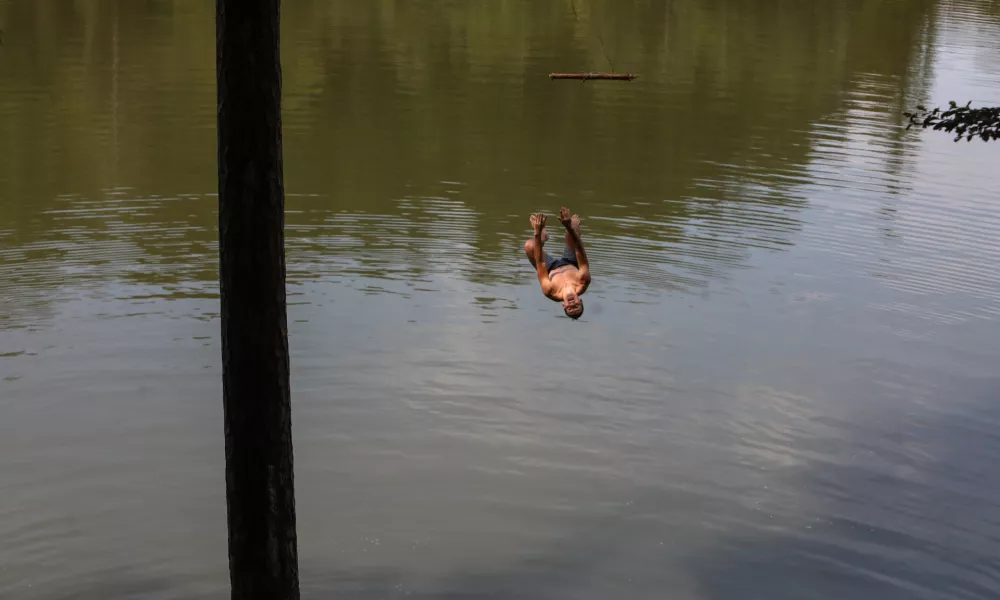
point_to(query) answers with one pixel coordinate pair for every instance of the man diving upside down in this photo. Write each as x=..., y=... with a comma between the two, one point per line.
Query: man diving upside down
x=566, y=278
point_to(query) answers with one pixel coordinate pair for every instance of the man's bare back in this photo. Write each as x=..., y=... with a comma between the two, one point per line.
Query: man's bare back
x=566, y=278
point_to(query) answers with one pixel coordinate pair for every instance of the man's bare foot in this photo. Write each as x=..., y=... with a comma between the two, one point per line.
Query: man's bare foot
x=564, y=216
x=569, y=220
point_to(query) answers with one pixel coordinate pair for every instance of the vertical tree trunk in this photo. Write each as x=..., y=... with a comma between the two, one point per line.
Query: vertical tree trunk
x=260, y=496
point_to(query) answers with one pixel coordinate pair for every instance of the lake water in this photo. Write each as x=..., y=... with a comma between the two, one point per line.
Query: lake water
x=784, y=386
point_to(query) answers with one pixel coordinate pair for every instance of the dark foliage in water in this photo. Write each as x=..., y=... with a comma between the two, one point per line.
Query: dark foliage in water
x=963, y=121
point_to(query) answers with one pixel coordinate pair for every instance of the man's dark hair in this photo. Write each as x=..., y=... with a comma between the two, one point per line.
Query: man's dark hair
x=576, y=316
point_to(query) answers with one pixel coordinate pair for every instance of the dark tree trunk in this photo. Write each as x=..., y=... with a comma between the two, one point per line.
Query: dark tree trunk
x=260, y=494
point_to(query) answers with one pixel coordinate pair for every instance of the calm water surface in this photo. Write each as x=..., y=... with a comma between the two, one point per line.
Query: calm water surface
x=784, y=385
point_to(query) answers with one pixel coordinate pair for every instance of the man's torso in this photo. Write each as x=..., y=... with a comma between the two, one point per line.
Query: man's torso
x=564, y=276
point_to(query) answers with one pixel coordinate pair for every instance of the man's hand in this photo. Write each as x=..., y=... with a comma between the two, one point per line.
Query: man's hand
x=566, y=217
x=538, y=223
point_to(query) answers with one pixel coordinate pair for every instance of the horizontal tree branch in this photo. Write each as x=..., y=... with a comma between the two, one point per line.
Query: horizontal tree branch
x=587, y=76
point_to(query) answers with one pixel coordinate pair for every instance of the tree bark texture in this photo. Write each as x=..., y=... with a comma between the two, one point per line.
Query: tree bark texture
x=260, y=494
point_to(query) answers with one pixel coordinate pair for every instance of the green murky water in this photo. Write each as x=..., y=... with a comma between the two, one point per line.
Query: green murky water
x=784, y=385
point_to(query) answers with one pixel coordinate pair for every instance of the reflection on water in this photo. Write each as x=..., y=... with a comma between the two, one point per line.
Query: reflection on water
x=783, y=384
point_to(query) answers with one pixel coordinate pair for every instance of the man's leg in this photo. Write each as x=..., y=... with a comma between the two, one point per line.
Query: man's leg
x=570, y=242
x=529, y=246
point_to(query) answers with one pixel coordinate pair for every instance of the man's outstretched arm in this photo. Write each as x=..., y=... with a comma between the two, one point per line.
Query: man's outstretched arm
x=572, y=224
x=538, y=224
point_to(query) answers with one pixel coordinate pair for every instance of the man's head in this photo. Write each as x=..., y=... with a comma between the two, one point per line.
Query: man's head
x=573, y=306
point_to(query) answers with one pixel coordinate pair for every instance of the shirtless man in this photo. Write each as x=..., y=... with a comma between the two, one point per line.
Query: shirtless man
x=565, y=278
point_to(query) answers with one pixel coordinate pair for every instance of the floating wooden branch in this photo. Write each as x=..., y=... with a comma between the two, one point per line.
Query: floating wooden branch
x=586, y=76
